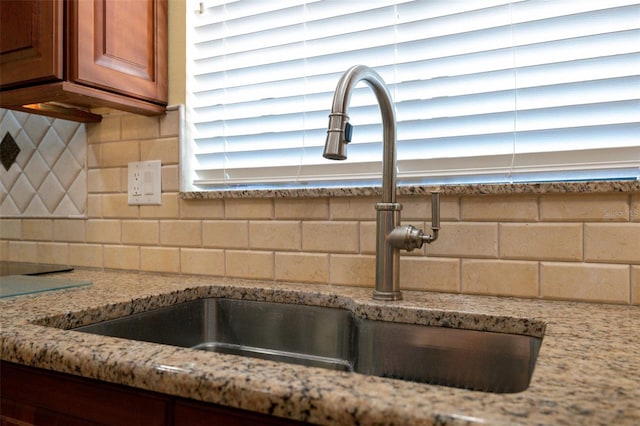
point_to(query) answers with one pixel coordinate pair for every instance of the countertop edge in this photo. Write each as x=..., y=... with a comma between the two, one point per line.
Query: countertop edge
x=586, y=187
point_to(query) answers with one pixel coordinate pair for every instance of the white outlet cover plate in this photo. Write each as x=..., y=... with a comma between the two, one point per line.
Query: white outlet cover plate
x=145, y=182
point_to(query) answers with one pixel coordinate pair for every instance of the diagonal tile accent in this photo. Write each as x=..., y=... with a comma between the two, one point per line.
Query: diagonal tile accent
x=66, y=175
x=22, y=192
x=37, y=170
x=51, y=147
x=49, y=176
x=51, y=193
x=9, y=151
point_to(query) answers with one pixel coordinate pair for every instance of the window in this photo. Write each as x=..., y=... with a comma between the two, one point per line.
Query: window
x=485, y=91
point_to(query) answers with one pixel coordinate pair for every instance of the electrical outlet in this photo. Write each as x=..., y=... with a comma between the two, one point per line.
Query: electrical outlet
x=145, y=182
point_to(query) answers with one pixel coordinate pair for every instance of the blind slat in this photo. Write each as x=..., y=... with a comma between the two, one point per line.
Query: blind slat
x=489, y=90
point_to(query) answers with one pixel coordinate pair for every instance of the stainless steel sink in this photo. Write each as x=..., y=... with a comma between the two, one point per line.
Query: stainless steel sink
x=337, y=339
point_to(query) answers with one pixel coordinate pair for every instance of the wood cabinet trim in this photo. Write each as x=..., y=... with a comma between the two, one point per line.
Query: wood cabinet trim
x=77, y=95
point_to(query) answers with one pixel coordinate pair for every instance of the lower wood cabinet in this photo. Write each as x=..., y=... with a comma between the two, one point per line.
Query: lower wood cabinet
x=31, y=396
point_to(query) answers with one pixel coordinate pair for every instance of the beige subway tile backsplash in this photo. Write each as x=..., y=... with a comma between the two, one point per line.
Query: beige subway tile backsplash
x=72, y=230
x=121, y=257
x=466, y=239
x=612, y=242
x=10, y=229
x=450, y=208
x=635, y=285
x=109, y=129
x=500, y=277
x=585, y=282
x=330, y=237
x=635, y=208
x=141, y=232
x=368, y=237
x=202, y=209
x=229, y=234
x=202, y=261
x=430, y=274
x=90, y=255
x=103, y=231
x=181, y=233
x=103, y=180
x=250, y=264
x=308, y=267
x=4, y=250
x=509, y=208
x=585, y=208
x=94, y=155
x=170, y=178
x=572, y=246
x=160, y=259
x=541, y=241
x=37, y=229
x=124, y=179
x=119, y=154
x=256, y=208
x=94, y=205
x=275, y=235
x=353, y=270
x=54, y=253
x=301, y=208
x=168, y=209
x=166, y=150
x=23, y=251
x=117, y=205
x=417, y=208
x=139, y=127
x=170, y=124
x=349, y=208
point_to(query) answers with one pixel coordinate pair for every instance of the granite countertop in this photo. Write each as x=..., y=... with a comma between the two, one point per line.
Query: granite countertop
x=587, y=371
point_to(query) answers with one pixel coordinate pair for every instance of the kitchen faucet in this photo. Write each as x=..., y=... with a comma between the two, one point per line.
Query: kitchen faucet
x=390, y=236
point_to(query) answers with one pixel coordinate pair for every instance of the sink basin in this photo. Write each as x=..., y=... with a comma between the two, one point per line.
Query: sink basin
x=337, y=339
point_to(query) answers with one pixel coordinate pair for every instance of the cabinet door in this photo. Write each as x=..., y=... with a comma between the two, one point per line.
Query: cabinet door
x=191, y=413
x=120, y=46
x=39, y=397
x=31, y=37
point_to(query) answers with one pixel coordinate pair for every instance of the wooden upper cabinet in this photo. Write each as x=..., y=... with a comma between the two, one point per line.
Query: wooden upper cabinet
x=62, y=57
x=31, y=37
x=120, y=46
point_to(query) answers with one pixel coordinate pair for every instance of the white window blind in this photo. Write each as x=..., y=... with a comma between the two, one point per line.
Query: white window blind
x=485, y=90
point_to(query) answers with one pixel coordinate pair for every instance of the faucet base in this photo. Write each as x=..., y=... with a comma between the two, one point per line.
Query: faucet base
x=387, y=295
x=387, y=257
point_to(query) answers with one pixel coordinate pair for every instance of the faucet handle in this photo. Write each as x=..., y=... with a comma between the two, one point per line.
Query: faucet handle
x=408, y=237
x=435, y=218
x=435, y=210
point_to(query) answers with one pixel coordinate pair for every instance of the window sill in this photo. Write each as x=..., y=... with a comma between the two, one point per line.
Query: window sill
x=613, y=186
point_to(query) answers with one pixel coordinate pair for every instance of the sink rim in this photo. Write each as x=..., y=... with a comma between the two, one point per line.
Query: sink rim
x=364, y=308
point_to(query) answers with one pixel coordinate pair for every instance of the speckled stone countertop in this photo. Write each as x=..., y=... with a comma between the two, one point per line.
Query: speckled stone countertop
x=588, y=370
x=605, y=186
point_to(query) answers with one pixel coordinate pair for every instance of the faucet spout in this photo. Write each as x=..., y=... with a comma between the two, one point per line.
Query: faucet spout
x=390, y=236
x=339, y=129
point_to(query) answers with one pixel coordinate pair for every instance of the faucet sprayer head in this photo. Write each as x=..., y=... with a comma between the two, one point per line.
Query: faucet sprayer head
x=338, y=136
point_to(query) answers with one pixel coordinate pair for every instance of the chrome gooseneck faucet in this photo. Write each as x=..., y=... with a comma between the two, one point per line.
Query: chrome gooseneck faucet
x=390, y=236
